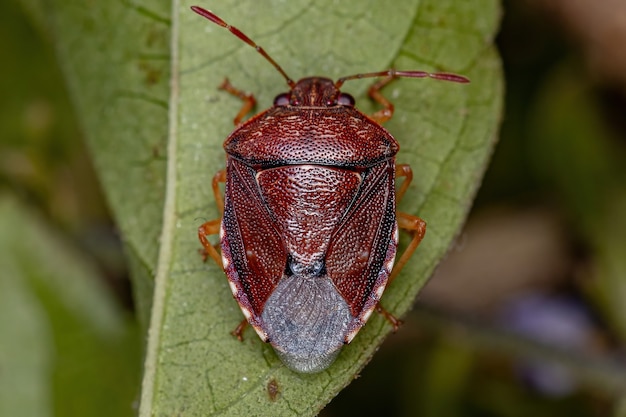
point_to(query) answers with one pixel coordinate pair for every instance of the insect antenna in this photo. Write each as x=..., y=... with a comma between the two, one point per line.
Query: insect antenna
x=217, y=20
x=409, y=74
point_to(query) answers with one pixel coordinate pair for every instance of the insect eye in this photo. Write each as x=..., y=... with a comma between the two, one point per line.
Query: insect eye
x=282, y=99
x=345, y=100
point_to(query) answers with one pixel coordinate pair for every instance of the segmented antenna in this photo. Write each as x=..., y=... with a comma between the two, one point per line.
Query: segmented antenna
x=389, y=73
x=217, y=20
x=409, y=74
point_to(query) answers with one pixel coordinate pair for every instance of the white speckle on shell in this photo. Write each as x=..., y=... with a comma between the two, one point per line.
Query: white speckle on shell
x=246, y=313
x=352, y=334
x=379, y=292
x=367, y=315
x=233, y=288
x=260, y=332
x=389, y=264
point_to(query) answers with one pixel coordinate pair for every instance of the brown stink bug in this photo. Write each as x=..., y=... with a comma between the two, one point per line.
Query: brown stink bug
x=309, y=228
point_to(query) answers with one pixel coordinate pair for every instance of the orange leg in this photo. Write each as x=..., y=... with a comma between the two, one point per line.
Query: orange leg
x=220, y=176
x=403, y=170
x=248, y=100
x=212, y=227
x=393, y=320
x=386, y=113
x=238, y=332
x=410, y=223
x=415, y=226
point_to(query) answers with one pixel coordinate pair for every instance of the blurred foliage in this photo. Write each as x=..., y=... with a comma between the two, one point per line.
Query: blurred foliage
x=66, y=348
x=40, y=146
x=562, y=147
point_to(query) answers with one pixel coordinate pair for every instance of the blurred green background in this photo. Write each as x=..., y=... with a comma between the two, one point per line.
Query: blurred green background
x=526, y=316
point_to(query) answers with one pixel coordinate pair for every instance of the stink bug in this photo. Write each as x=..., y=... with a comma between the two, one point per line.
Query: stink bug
x=309, y=228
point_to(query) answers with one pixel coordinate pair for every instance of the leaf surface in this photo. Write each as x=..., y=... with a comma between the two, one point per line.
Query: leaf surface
x=145, y=78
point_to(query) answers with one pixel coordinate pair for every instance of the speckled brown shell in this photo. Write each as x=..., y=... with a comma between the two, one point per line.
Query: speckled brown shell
x=309, y=233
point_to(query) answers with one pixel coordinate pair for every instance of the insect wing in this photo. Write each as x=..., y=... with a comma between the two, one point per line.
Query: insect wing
x=252, y=248
x=360, y=256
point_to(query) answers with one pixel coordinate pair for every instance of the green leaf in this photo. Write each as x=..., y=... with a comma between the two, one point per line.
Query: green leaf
x=145, y=83
x=66, y=349
x=116, y=59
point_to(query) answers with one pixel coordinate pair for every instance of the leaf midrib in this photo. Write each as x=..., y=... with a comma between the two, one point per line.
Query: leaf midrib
x=167, y=230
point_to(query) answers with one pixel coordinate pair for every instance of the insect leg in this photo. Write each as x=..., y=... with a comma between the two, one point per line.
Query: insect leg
x=220, y=176
x=248, y=100
x=403, y=170
x=415, y=226
x=212, y=227
x=238, y=332
x=384, y=114
x=393, y=320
